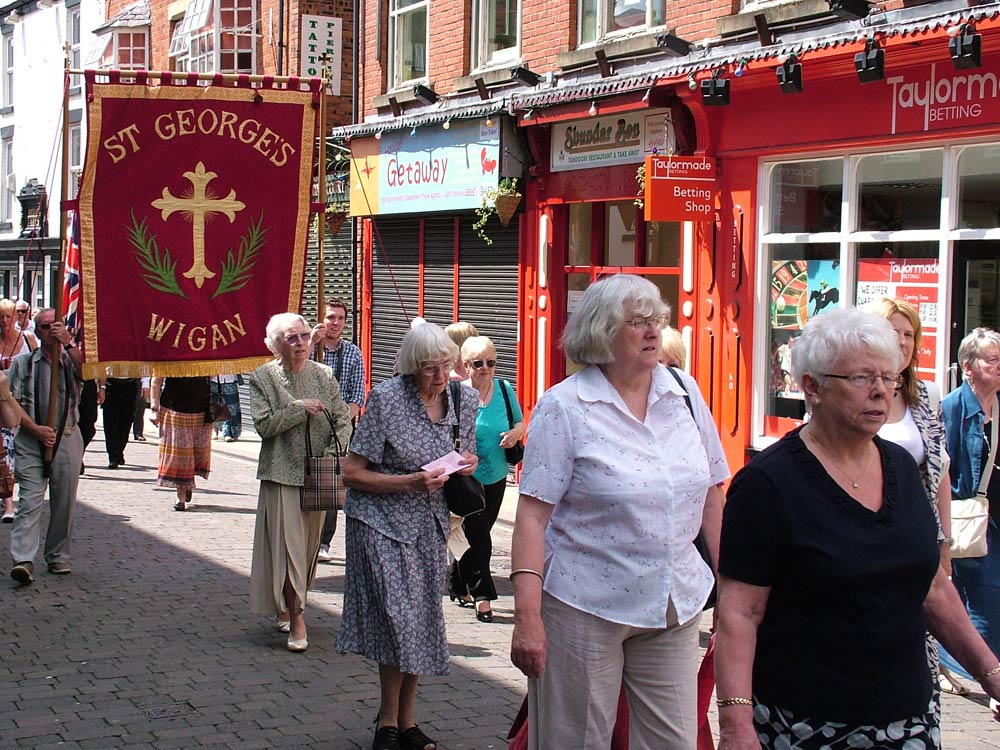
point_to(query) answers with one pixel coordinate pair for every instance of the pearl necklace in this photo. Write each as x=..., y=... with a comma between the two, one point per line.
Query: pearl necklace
x=433, y=401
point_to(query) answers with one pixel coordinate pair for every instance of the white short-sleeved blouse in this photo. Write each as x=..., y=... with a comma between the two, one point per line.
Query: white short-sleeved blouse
x=629, y=496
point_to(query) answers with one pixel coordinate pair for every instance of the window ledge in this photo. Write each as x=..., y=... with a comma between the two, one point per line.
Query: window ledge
x=617, y=47
x=492, y=76
x=6, y=110
x=403, y=95
x=75, y=90
x=796, y=10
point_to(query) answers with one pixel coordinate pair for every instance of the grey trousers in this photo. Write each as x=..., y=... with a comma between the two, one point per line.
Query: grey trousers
x=62, y=486
x=575, y=701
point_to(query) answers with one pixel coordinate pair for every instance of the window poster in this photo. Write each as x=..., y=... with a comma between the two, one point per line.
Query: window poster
x=914, y=280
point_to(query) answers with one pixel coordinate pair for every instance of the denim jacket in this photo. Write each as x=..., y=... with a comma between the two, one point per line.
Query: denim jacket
x=963, y=422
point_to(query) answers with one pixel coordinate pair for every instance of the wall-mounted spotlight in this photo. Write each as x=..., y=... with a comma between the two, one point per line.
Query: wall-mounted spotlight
x=765, y=35
x=525, y=76
x=715, y=90
x=870, y=64
x=849, y=8
x=790, y=76
x=966, y=48
x=593, y=109
x=602, y=63
x=425, y=94
x=397, y=110
x=673, y=45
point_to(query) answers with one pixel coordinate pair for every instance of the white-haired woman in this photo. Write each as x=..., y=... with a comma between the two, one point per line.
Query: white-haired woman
x=288, y=396
x=969, y=416
x=398, y=526
x=619, y=477
x=829, y=569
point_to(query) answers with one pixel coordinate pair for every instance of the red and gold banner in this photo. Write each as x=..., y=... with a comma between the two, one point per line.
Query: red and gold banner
x=194, y=214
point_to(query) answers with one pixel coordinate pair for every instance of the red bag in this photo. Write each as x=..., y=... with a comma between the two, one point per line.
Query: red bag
x=517, y=738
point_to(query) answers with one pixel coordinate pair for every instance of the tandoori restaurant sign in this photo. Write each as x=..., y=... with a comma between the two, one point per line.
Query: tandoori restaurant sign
x=429, y=169
x=605, y=141
x=680, y=188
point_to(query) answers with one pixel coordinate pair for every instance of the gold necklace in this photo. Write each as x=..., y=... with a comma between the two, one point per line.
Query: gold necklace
x=485, y=400
x=855, y=481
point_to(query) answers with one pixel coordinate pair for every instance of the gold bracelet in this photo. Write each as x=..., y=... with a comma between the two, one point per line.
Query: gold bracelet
x=987, y=675
x=723, y=702
x=525, y=570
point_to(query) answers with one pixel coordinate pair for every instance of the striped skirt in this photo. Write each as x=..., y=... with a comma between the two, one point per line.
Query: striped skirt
x=185, y=448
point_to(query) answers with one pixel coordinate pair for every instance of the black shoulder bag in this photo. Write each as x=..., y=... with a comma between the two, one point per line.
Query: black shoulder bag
x=463, y=492
x=699, y=541
x=515, y=454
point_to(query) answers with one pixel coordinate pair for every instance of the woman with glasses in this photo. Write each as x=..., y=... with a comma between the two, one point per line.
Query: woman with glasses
x=289, y=396
x=970, y=417
x=620, y=475
x=398, y=525
x=180, y=409
x=914, y=422
x=829, y=567
x=13, y=342
x=470, y=575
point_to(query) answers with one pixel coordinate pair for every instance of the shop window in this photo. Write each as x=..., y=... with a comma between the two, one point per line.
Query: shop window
x=497, y=32
x=619, y=233
x=663, y=243
x=603, y=18
x=807, y=196
x=408, y=31
x=580, y=228
x=978, y=187
x=899, y=191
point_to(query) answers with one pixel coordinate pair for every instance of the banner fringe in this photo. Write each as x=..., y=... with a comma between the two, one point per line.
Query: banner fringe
x=207, y=368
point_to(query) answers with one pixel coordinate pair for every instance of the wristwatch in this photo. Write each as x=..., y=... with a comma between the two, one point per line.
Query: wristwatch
x=70, y=345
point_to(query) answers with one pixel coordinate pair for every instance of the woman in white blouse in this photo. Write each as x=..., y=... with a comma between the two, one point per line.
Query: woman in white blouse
x=619, y=477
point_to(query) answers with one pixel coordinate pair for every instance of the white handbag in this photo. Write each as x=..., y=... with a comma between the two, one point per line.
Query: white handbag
x=970, y=518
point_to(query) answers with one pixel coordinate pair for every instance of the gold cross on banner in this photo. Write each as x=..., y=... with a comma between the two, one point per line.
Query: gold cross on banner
x=199, y=205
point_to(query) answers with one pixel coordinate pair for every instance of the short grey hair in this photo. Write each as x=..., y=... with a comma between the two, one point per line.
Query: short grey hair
x=477, y=344
x=425, y=343
x=592, y=327
x=839, y=334
x=975, y=345
x=274, y=334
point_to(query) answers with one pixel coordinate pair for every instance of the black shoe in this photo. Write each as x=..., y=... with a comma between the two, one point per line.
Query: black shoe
x=386, y=738
x=414, y=739
x=83, y=468
x=22, y=573
x=486, y=616
x=465, y=602
x=112, y=465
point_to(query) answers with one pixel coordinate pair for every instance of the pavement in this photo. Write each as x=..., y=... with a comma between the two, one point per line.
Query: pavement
x=149, y=643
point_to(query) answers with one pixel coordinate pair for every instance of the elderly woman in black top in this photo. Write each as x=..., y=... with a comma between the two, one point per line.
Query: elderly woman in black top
x=398, y=526
x=829, y=568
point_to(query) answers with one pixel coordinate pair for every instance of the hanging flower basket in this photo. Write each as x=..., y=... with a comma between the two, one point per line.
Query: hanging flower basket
x=334, y=221
x=506, y=206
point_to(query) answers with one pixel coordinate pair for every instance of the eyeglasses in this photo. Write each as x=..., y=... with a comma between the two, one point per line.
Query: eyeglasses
x=297, y=337
x=867, y=380
x=432, y=370
x=657, y=321
x=477, y=363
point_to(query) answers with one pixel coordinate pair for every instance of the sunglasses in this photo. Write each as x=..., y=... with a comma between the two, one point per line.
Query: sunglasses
x=477, y=363
x=21, y=312
x=43, y=326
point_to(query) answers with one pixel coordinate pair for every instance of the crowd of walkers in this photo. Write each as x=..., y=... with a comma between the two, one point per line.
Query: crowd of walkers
x=841, y=611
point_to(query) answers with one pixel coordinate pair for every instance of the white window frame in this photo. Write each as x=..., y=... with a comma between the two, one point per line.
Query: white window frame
x=197, y=41
x=605, y=16
x=104, y=54
x=9, y=181
x=945, y=235
x=482, y=24
x=73, y=38
x=396, y=15
x=8, y=70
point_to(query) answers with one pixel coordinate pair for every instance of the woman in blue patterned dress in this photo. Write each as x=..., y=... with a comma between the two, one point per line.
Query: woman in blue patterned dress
x=398, y=526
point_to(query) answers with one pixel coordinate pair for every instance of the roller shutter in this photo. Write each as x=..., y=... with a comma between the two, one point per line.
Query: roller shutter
x=337, y=265
x=439, y=274
x=399, y=251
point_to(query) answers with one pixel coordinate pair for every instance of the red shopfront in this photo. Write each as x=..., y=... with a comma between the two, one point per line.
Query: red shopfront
x=843, y=193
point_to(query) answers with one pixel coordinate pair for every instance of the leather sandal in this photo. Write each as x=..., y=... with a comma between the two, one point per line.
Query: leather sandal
x=950, y=684
x=386, y=738
x=414, y=739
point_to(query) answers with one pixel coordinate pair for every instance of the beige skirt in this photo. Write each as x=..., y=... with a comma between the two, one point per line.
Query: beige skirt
x=285, y=545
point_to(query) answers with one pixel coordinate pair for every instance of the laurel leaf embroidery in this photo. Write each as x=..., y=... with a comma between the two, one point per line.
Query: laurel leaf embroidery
x=237, y=272
x=160, y=270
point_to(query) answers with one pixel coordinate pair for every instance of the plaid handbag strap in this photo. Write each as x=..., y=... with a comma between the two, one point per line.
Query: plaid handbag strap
x=333, y=433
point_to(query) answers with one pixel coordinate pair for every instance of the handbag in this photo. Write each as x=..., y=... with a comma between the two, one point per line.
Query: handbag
x=515, y=454
x=218, y=409
x=970, y=517
x=463, y=492
x=323, y=488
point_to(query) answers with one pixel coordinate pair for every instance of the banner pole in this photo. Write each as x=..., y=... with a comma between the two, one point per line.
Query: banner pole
x=240, y=79
x=321, y=220
x=55, y=353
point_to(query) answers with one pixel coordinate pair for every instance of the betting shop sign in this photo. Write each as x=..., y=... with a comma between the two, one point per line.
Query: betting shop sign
x=680, y=188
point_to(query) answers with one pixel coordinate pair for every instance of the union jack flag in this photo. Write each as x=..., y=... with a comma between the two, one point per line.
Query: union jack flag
x=71, y=277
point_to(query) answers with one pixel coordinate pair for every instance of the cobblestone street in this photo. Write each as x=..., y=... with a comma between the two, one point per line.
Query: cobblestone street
x=150, y=644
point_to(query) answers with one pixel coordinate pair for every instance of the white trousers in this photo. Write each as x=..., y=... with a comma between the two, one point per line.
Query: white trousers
x=574, y=703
